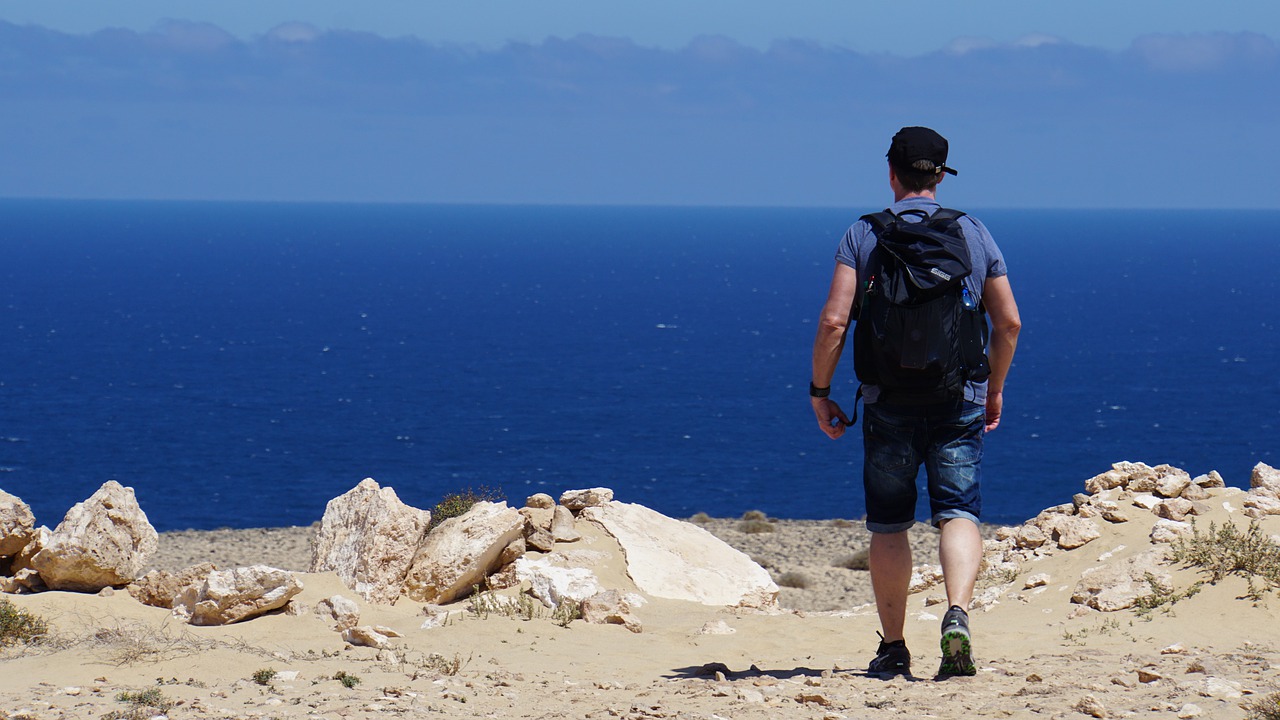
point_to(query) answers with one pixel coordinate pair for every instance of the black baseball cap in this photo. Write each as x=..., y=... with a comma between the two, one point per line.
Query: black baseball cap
x=919, y=143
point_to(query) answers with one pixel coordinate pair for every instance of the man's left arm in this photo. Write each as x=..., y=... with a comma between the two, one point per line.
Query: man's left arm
x=997, y=296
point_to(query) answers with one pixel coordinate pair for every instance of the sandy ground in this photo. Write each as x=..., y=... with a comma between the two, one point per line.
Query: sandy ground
x=1040, y=655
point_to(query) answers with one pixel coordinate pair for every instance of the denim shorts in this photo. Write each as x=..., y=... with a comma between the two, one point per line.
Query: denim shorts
x=897, y=439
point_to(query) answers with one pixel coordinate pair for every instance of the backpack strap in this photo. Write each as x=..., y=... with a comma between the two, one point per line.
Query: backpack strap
x=879, y=220
x=946, y=214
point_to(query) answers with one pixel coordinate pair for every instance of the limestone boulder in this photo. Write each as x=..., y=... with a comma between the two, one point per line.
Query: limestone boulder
x=366, y=636
x=1210, y=480
x=338, y=612
x=1265, y=476
x=553, y=583
x=1170, y=481
x=369, y=538
x=577, y=500
x=461, y=552
x=1257, y=505
x=673, y=559
x=105, y=541
x=541, y=501
x=160, y=588
x=1119, y=585
x=230, y=596
x=17, y=524
x=1169, y=531
x=1069, y=532
x=610, y=607
x=1175, y=508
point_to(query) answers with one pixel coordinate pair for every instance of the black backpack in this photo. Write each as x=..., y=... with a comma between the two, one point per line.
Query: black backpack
x=920, y=335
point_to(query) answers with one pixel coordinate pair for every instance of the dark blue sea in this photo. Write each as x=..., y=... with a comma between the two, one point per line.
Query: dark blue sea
x=241, y=364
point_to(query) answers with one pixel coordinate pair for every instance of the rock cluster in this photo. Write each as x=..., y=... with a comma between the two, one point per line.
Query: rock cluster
x=382, y=550
x=1164, y=496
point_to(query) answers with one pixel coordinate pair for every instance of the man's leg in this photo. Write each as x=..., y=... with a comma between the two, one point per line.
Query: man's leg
x=960, y=551
x=890, y=564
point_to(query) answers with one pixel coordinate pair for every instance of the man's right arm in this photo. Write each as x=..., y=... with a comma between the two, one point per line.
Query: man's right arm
x=997, y=296
x=833, y=326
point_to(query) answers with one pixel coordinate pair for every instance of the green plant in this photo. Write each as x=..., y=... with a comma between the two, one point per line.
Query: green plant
x=566, y=612
x=1266, y=707
x=347, y=679
x=264, y=676
x=19, y=626
x=755, y=527
x=151, y=697
x=1227, y=550
x=456, y=504
x=793, y=580
x=1161, y=597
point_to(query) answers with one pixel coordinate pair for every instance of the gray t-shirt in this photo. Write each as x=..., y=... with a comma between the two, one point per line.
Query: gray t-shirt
x=855, y=250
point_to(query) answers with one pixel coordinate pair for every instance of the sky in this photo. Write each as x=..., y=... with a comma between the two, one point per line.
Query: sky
x=1046, y=104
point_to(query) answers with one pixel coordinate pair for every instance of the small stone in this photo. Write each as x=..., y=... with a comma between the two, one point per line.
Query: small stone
x=1174, y=649
x=1037, y=580
x=1188, y=711
x=1210, y=480
x=1034, y=678
x=1216, y=687
x=1167, y=531
x=1148, y=676
x=1146, y=502
x=1090, y=705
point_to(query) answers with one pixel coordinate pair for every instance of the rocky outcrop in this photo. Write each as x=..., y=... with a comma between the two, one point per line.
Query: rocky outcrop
x=17, y=524
x=229, y=596
x=461, y=552
x=369, y=538
x=577, y=500
x=553, y=583
x=104, y=541
x=673, y=559
x=159, y=588
x=1266, y=477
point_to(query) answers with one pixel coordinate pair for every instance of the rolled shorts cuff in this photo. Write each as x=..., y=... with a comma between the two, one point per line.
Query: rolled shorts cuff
x=952, y=514
x=890, y=528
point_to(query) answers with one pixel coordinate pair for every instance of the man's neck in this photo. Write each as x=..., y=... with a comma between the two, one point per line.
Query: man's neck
x=926, y=194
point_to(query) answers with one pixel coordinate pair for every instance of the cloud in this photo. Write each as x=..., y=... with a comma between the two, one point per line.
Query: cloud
x=603, y=117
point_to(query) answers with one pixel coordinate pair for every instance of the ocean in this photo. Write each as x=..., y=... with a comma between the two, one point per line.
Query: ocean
x=239, y=364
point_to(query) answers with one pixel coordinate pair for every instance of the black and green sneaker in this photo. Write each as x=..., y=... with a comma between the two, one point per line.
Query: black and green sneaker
x=892, y=658
x=957, y=650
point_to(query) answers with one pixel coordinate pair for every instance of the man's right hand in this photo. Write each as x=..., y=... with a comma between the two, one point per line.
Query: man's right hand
x=995, y=406
x=831, y=418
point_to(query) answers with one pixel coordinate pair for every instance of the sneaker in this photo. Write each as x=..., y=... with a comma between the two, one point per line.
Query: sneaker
x=892, y=658
x=957, y=652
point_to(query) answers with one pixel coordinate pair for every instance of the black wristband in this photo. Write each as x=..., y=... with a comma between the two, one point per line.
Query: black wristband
x=815, y=391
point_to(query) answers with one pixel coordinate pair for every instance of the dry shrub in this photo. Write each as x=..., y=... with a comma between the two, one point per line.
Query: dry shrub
x=793, y=579
x=755, y=527
x=700, y=518
x=1227, y=550
x=1266, y=707
x=842, y=524
x=751, y=515
x=858, y=560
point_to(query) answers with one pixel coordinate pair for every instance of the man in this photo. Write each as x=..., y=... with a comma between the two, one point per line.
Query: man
x=947, y=438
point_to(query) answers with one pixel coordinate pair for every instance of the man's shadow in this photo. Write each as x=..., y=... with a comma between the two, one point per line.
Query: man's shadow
x=709, y=670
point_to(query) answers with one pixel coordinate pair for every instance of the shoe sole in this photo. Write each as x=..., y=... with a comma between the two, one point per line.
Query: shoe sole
x=957, y=654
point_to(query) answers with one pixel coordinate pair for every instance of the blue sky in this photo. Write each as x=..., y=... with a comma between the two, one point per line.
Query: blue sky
x=1047, y=104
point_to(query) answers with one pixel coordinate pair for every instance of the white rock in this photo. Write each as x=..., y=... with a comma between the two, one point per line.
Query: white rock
x=553, y=584
x=1167, y=531
x=1037, y=580
x=610, y=607
x=577, y=500
x=924, y=577
x=1210, y=480
x=338, y=612
x=716, y=627
x=1146, y=501
x=1256, y=505
x=1173, y=509
x=229, y=596
x=1189, y=710
x=1171, y=481
x=365, y=636
x=1216, y=687
x=17, y=524
x=461, y=552
x=673, y=559
x=368, y=537
x=104, y=541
